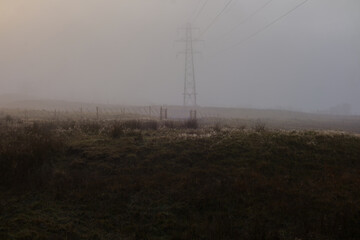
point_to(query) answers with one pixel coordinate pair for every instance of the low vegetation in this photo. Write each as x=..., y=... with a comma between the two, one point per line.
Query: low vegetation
x=171, y=180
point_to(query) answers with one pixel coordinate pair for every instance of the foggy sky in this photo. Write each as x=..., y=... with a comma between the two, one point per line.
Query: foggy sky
x=124, y=51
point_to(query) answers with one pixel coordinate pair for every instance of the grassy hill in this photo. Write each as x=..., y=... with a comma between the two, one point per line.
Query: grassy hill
x=133, y=180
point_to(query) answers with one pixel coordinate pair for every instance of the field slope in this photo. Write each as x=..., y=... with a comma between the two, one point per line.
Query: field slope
x=73, y=181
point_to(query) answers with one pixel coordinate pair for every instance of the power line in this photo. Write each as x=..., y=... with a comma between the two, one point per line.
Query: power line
x=194, y=11
x=217, y=17
x=267, y=26
x=245, y=20
x=201, y=10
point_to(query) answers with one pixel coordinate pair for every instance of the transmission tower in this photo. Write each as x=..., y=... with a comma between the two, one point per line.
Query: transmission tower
x=189, y=78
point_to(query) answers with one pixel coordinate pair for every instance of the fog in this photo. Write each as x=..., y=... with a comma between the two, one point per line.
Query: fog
x=125, y=52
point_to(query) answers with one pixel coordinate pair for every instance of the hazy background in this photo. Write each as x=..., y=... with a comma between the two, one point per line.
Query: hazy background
x=124, y=51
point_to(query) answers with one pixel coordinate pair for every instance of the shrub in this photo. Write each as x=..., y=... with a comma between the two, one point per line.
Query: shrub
x=132, y=124
x=259, y=126
x=169, y=124
x=140, y=125
x=9, y=119
x=241, y=127
x=89, y=127
x=217, y=127
x=116, y=130
x=150, y=125
x=191, y=123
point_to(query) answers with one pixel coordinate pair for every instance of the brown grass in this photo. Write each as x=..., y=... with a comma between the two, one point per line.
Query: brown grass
x=77, y=180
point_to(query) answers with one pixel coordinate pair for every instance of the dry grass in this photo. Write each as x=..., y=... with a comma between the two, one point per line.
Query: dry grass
x=86, y=180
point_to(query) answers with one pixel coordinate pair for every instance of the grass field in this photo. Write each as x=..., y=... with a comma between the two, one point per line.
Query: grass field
x=143, y=180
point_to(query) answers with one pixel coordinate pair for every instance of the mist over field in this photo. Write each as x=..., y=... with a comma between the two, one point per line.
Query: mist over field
x=179, y=119
x=125, y=52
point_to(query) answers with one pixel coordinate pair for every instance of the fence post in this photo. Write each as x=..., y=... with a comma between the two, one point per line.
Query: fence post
x=97, y=113
x=161, y=113
x=166, y=115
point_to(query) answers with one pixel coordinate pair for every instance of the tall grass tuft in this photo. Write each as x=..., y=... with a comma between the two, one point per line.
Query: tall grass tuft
x=26, y=152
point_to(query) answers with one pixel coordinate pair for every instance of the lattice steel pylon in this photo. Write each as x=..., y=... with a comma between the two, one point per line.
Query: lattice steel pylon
x=190, y=94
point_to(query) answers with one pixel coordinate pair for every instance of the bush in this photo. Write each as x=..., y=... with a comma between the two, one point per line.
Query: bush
x=217, y=127
x=191, y=123
x=140, y=125
x=132, y=124
x=259, y=126
x=9, y=119
x=169, y=124
x=117, y=130
x=150, y=125
x=89, y=127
